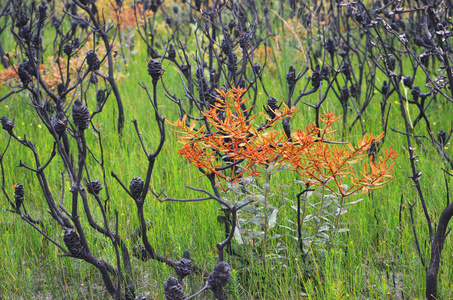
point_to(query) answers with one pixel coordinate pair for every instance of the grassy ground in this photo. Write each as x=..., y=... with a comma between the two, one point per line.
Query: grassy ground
x=376, y=259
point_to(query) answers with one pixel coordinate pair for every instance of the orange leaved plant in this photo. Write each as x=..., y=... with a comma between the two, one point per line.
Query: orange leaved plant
x=231, y=137
x=321, y=161
x=312, y=152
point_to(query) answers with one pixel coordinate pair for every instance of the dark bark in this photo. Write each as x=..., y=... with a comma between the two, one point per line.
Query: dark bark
x=436, y=252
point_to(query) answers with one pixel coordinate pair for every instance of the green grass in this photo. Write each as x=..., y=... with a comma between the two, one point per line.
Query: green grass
x=376, y=259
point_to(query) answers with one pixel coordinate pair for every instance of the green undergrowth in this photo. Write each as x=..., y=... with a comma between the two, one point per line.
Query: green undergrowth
x=376, y=259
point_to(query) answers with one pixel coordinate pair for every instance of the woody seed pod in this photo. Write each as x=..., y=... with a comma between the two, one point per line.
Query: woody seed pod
x=346, y=70
x=25, y=33
x=408, y=81
x=344, y=95
x=172, y=52
x=291, y=76
x=19, y=195
x=344, y=51
x=415, y=92
x=136, y=187
x=155, y=69
x=80, y=115
x=42, y=11
x=173, y=290
x=330, y=46
x=325, y=71
x=221, y=274
x=271, y=107
x=442, y=137
x=256, y=67
x=23, y=20
x=72, y=241
x=67, y=49
x=7, y=124
x=316, y=78
x=60, y=123
x=100, y=98
x=391, y=63
x=24, y=76
x=184, y=266
x=94, y=187
x=93, y=60
x=385, y=88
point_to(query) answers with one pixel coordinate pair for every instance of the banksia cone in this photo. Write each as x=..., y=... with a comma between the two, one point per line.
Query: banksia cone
x=80, y=115
x=72, y=241
x=19, y=195
x=344, y=95
x=172, y=52
x=325, y=71
x=75, y=43
x=256, y=67
x=155, y=69
x=346, y=70
x=136, y=187
x=231, y=62
x=185, y=70
x=94, y=187
x=291, y=76
x=316, y=78
x=227, y=45
x=221, y=274
x=42, y=12
x=93, y=60
x=7, y=124
x=373, y=149
x=184, y=266
x=29, y=68
x=60, y=123
x=344, y=51
x=244, y=40
x=100, y=98
x=330, y=46
x=67, y=49
x=25, y=33
x=23, y=20
x=173, y=290
x=391, y=63
x=415, y=92
x=385, y=88
x=407, y=81
x=442, y=137
x=24, y=76
x=271, y=107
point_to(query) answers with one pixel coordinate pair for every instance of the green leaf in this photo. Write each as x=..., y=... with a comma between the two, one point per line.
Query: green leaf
x=273, y=218
x=323, y=236
x=323, y=228
x=354, y=202
x=237, y=237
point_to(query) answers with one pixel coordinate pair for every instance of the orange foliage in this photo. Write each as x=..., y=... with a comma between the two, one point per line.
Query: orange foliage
x=233, y=135
x=310, y=152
